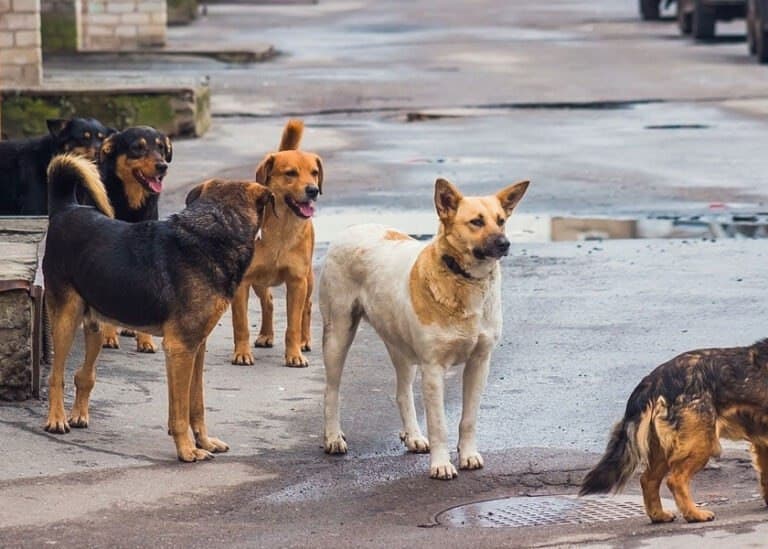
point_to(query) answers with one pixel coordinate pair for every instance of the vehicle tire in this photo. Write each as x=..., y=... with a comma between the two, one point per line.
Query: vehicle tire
x=649, y=10
x=684, y=20
x=752, y=26
x=704, y=18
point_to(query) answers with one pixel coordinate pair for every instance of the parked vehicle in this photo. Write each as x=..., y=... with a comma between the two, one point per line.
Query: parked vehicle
x=757, y=29
x=650, y=10
x=698, y=17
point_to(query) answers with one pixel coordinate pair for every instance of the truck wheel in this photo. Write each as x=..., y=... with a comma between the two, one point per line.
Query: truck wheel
x=649, y=10
x=751, y=27
x=703, y=24
x=684, y=19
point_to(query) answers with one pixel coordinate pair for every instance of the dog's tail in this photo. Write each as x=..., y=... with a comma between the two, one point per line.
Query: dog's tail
x=629, y=444
x=292, y=133
x=65, y=173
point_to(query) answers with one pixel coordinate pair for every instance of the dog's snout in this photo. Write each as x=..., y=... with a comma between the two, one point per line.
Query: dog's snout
x=501, y=245
x=312, y=191
x=161, y=167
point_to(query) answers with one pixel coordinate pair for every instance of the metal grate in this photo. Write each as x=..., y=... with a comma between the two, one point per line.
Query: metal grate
x=520, y=512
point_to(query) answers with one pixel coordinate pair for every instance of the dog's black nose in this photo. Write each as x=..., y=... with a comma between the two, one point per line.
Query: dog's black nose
x=312, y=191
x=161, y=167
x=501, y=245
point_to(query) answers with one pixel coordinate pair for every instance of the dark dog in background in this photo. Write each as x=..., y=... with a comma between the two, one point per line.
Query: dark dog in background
x=133, y=163
x=173, y=278
x=675, y=418
x=23, y=162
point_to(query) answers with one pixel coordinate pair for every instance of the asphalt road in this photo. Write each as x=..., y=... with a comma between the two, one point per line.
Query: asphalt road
x=606, y=116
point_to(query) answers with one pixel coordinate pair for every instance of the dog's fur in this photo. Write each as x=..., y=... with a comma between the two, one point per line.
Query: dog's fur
x=133, y=163
x=284, y=254
x=434, y=306
x=23, y=162
x=675, y=418
x=172, y=278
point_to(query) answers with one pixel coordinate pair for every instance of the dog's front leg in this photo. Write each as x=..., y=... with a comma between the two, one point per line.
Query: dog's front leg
x=432, y=388
x=85, y=377
x=266, y=337
x=242, y=334
x=197, y=408
x=296, y=295
x=473, y=384
x=179, y=366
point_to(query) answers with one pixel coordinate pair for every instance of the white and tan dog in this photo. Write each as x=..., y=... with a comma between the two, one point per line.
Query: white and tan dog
x=434, y=306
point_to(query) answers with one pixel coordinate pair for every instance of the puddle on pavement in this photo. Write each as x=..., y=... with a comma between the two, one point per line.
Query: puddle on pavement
x=331, y=223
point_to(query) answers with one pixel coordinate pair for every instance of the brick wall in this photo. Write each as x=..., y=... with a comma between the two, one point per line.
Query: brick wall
x=21, y=63
x=121, y=24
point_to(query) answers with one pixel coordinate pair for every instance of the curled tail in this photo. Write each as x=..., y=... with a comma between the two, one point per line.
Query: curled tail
x=65, y=173
x=292, y=133
x=628, y=447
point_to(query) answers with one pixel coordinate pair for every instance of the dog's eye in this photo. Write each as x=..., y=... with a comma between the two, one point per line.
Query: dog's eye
x=315, y=173
x=291, y=173
x=87, y=135
x=100, y=135
x=478, y=222
x=500, y=221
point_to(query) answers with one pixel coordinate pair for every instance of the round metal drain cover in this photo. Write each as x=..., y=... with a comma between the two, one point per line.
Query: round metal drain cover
x=520, y=512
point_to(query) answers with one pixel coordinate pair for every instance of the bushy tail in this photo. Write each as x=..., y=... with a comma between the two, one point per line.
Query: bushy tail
x=292, y=133
x=65, y=173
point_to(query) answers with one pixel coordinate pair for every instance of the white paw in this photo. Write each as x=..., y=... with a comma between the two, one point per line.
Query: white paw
x=443, y=471
x=418, y=444
x=472, y=460
x=336, y=443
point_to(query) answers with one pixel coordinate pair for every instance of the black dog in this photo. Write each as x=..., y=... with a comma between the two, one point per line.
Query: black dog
x=133, y=163
x=23, y=162
x=173, y=278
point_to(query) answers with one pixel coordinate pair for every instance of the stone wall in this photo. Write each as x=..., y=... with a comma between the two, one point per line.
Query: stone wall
x=121, y=24
x=21, y=62
x=58, y=23
x=15, y=345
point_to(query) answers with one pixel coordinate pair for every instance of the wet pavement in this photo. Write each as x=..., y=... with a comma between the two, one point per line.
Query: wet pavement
x=610, y=118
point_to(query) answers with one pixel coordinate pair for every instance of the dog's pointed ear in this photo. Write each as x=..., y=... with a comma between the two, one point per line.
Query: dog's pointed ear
x=56, y=126
x=168, y=150
x=194, y=194
x=107, y=147
x=447, y=198
x=510, y=196
x=264, y=171
x=319, y=174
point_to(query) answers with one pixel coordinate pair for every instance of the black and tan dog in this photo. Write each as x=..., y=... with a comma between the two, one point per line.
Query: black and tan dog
x=23, y=162
x=675, y=418
x=284, y=254
x=172, y=278
x=133, y=163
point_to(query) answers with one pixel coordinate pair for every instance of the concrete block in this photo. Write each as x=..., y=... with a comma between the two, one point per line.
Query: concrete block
x=26, y=6
x=121, y=7
x=20, y=21
x=136, y=18
x=5, y=5
x=20, y=56
x=102, y=19
x=27, y=38
x=6, y=39
x=125, y=31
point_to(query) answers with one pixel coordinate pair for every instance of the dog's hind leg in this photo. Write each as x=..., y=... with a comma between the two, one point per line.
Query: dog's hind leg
x=339, y=328
x=695, y=441
x=266, y=337
x=433, y=391
x=473, y=383
x=66, y=315
x=760, y=460
x=109, y=336
x=306, y=316
x=144, y=343
x=405, y=372
x=242, y=334
x=85, y=376
x=197, y=408
x=650, y=481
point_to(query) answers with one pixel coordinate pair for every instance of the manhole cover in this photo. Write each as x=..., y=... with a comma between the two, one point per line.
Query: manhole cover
x=519, y=512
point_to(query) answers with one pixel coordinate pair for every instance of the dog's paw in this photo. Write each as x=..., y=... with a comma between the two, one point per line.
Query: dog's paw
x=296, y=361
x=306, y=347
x=190, y=455
x=56, y=424
x=336, y=443
x=699, y=515
x=110, y=342
x=211, y=444
x=443, y=471
x=418, y=444
x=470, y=461
x=78, y=420
x=662, y=517
x=145, y=345
x=266, y=341
x=242, y=358
x=127, y=333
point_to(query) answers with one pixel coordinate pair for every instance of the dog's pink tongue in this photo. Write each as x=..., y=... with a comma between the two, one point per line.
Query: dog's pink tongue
x=306, y=209
x=155, y=183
